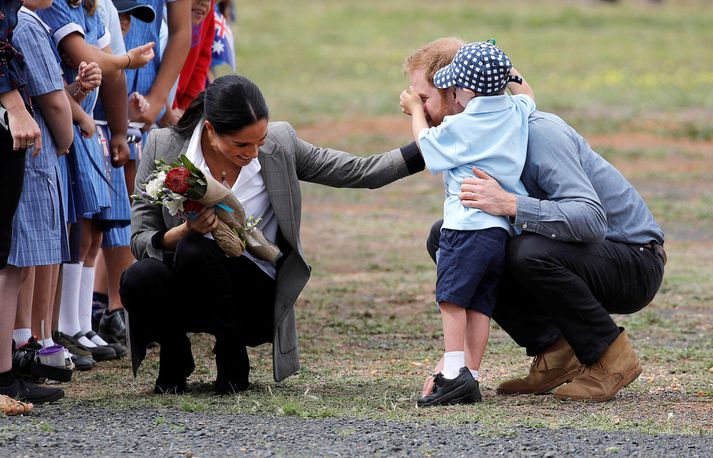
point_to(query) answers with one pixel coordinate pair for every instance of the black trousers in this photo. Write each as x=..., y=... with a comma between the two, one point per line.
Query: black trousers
x=204, y=291
x=554, y=289
x=12, y=175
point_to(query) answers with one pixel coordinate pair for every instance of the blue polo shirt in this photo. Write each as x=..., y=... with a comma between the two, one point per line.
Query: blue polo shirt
x=491, y=134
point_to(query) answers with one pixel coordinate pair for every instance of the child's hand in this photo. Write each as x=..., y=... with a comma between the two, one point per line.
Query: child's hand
x=140, y=102
x=410, y=100
x=119, y=150
x=140, y=55
x=89, y=76
x=138, y=105
x=86, y=125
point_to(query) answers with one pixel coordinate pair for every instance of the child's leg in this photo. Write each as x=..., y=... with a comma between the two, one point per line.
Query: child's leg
x=23, y=318
x=43, y=302
x=93, y=231
x=453, y=318
x=477, y=332
x=454, y=322
x=100, y=274
x=11, y=279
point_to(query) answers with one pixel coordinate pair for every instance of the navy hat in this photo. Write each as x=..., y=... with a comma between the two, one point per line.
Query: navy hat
x=481, y=67
x=141, y=12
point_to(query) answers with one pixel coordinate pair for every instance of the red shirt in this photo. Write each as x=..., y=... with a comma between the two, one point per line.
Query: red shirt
x=195, y=71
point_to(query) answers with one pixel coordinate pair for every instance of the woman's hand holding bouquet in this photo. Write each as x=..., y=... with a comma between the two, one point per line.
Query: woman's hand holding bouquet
x=182, y=187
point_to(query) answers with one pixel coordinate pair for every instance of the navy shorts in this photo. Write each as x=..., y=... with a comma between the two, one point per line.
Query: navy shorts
x=471, y=265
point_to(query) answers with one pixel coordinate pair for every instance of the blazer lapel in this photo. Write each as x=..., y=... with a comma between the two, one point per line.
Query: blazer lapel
x=277, y=183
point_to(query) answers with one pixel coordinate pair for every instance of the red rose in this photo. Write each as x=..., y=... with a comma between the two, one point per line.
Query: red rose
x=177, y=180
x=191, y=206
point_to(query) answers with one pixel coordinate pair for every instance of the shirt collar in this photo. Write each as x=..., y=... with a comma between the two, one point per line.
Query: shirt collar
x=194, y=153
x=28, y=11
x=488, y=104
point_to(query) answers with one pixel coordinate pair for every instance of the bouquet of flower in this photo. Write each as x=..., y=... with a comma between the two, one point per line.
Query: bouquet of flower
x=182, y=187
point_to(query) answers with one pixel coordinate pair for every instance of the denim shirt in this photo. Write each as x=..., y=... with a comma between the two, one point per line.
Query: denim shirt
x=10, y=59
x=575, y=195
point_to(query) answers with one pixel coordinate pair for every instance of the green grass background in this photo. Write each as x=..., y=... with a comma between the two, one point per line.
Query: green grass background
x=332, y=59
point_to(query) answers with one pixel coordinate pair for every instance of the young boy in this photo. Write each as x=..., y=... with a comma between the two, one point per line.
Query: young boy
x=490, y=134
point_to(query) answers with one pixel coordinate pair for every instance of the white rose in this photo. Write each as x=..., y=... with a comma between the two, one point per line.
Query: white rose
x=174, y=203
x=155, y=186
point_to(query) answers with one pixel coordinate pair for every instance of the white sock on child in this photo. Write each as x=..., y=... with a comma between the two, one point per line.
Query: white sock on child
x=86, y=342
x=99, y=341
x=21, y=336
x=452, y=362
x=68, y=315
x=84, y=307
x=475, y=374
x=46, y=343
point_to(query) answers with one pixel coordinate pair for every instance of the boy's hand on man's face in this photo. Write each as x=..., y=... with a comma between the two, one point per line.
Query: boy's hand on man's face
x=410, y=100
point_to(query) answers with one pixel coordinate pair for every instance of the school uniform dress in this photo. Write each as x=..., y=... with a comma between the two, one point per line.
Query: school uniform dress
x=141, y=79
x=39, y=234
x=90, y=182
x=12, y=163
x=116, y=218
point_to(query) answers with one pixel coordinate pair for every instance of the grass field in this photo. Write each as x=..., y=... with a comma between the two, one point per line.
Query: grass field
x=634, y=78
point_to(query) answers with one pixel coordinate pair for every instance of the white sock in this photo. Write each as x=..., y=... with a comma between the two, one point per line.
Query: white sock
x=86, y=342
x=21, y=336
x=99, y=341
x=46, y=343
x=68, y=314
x=474, y=373
x=452, y=362
x=84, y=308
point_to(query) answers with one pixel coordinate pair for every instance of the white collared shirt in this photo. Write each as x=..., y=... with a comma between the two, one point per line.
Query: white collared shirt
x=250, y=191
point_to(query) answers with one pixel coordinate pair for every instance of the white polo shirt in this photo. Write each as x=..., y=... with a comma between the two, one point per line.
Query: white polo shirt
x=250, y=191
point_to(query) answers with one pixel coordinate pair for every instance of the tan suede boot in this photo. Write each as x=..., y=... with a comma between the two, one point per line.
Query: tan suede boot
x=602, y=380
x=549, y=369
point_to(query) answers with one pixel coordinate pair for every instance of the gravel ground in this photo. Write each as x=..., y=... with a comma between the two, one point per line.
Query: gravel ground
x=58, y=431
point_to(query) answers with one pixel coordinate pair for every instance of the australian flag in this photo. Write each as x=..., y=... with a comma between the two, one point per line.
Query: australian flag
x=223, y=42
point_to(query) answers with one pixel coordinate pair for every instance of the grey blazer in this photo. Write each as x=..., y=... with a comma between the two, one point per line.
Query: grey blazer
x=284, y=159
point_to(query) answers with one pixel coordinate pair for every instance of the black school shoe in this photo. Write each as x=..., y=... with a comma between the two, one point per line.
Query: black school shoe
x=119, y=349
x=100, y=352
x=26, y=391
x=81, y=357
x=463, y=389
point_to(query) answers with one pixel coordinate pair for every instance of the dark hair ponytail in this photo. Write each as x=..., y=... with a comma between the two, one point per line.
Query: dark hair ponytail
x=230, y=103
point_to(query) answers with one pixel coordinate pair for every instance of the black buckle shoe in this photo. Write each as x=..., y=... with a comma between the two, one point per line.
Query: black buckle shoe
x=100, y=352
x=460, y=390
x=120, y=350
x=26, y=391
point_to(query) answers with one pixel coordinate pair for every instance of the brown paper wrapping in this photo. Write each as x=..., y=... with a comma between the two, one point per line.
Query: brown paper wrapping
x=230, y=233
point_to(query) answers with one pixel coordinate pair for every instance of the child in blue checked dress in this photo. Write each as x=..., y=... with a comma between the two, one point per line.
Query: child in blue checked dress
x=40, y=242
x=490, y=134
x=116, y=255
x=18, y=132
x=75, y=29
